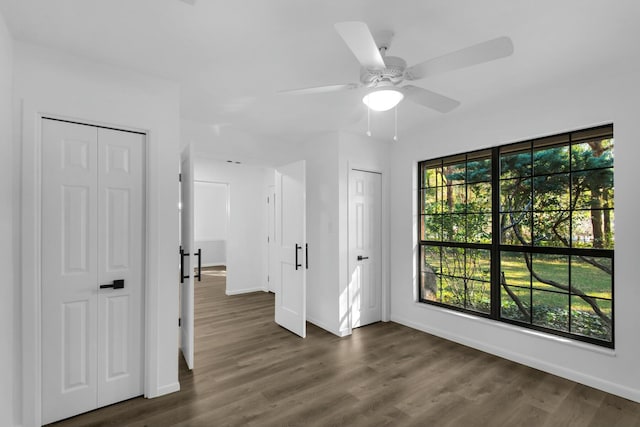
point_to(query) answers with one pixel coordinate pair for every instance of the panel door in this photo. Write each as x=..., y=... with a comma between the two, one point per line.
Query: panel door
x=92, y=209
x=365, y=251
x=187, y=243
x=120, y=257
x=290, y=271
x=69, y=269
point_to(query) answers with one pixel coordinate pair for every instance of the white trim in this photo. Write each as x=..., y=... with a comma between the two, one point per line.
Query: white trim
x=214, y=264
x=327, y=328
x=150, y=292
x=31, y=262
x=580, y=377
x=520, y=330
x=166, y=389
x=245, y=291
x=344, y=332
x=31, y=243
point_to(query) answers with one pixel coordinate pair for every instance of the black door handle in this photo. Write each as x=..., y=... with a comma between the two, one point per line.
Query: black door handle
x=117, y=284
x=182, y=255
x=360, y=257
x=306, y=255
x=298, y=247
x=199, y=255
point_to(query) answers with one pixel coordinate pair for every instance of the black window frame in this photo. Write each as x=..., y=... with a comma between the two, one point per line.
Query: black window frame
x=497, y=248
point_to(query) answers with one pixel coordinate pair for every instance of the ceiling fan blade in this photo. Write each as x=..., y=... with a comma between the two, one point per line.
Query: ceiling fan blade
x=321, y=89
x=429, y=99
x=359, y=39
x=472, y=55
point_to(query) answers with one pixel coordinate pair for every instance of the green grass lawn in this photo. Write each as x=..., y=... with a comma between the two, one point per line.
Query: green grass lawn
x=589, y=279
x=550, y=304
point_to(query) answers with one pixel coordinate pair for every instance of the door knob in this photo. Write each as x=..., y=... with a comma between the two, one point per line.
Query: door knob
x=360, y=257
x=117, y=284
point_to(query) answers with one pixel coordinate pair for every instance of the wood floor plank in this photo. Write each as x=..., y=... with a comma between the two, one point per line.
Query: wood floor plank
x=251, y=372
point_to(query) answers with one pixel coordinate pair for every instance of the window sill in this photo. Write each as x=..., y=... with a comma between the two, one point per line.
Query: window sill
x=530, y=332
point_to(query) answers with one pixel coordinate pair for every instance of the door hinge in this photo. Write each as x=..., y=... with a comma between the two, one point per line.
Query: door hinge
x=179, y=322
x=267, y=278
x=179, y=177
x=268, y=239
x=267, y=199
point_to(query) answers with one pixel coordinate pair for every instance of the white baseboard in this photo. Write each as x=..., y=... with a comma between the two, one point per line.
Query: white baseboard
x=324, y=326
x=344, y=333
x=580, y=377
x=214, y=264
x=166, y=389
x=244, y=291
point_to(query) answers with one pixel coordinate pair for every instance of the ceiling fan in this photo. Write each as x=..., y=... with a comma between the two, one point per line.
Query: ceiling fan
x=383, y=74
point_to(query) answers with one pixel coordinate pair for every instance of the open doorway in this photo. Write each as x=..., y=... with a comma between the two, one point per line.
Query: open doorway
x=210, y=235
x=230, y=228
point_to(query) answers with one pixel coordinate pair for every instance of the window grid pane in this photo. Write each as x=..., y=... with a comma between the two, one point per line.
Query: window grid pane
x=554, y=207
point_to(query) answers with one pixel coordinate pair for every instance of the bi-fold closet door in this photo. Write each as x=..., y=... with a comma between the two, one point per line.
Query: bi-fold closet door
x=92, y=267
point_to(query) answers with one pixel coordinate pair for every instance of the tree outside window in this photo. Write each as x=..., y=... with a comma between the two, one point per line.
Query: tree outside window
x=524, y=233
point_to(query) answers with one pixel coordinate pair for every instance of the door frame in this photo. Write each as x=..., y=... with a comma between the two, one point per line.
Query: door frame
x=271, y=236
x=384, y=242
x=31, y=246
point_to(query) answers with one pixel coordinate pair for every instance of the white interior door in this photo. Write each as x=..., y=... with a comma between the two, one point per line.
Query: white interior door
x=120, y=257
x=365, y=251
x=92, y=210
x=187, y=244
x=290, y=248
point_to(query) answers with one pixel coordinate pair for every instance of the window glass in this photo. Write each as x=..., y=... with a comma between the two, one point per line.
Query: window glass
x=553, y=248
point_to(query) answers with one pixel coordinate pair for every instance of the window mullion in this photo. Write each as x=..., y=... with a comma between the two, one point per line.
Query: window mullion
x=495, y=233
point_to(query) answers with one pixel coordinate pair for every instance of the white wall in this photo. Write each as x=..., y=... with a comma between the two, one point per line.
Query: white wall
x=214, y=252
x=227, y=142
x=366, y=153
x=592, y=98
x=246, y=251
x=52, y=82
x=330, y=158
x=9, y=290
x=211, y=217
x=321, y=155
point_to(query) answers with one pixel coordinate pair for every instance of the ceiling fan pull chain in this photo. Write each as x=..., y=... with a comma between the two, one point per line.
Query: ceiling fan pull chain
x=395, y=135
x=368, y=121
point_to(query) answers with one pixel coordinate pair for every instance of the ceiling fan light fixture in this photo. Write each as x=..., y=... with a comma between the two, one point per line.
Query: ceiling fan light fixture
x=383, y=99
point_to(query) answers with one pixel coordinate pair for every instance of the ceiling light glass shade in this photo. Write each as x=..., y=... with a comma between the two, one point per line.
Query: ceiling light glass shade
x=382, y=100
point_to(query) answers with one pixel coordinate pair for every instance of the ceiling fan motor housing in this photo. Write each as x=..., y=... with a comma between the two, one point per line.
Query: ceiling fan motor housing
x=393, y=72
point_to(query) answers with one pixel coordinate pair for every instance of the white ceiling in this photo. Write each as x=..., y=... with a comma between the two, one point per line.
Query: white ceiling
x=233, y=56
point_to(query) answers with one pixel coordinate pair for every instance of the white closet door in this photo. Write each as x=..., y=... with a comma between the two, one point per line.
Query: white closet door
x=365, y=249
x=92, y=233
x=120, y=233
x=69, y=269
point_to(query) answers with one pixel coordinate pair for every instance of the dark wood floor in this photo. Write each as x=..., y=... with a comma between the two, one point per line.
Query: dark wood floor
x=249, y=371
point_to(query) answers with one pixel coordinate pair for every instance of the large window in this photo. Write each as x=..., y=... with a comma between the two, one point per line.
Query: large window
x=523, y=233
